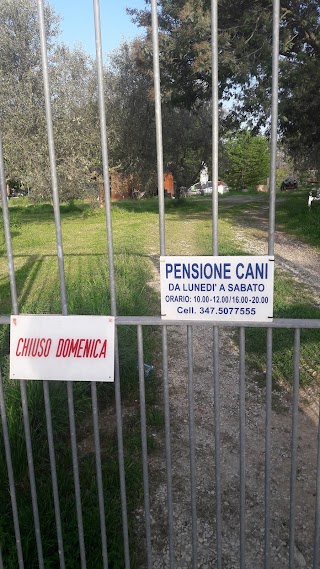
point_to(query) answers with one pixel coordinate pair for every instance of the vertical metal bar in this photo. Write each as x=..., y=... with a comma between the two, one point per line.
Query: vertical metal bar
x=53, y=473
x=10, y=475
x=271, y=234
x=316, y=548
x=156, y=78
x=26, y=423
x=104, y=147
x=215, y=123
x=52, y=156
x=294, y=435
x=215, y=250
x=274, y=124
x=168, y=445
x=268, y=448
x=76, y=476
x=23, y=391
x=125, y=530
x=242, y=405
x=99, y=474
x=6, y=224
x=144, y=448
x=217, y=442
x=192, y=449
x=63, y=293
x=158, y=115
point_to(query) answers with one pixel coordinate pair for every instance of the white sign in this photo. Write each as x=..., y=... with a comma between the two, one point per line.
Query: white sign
x=74, y=348
x=220, y=288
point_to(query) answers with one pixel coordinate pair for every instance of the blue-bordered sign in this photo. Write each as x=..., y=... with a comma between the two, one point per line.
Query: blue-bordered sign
x=227, y=289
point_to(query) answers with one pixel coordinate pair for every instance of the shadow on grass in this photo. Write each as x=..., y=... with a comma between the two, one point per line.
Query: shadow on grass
x=229, y=207
x=25, y=274
x=44, y=212
x=179, y=207
x=88, y=292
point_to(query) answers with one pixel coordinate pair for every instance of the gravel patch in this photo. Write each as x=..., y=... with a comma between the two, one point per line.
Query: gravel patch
x=300, y=260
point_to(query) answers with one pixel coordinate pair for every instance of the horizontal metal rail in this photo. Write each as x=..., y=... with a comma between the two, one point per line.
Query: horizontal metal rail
x=276, y=323
x=292, y=323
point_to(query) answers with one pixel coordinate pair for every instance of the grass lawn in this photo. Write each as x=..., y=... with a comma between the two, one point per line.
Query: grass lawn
x=88, y=293
x=295, y=217
x=136, y=243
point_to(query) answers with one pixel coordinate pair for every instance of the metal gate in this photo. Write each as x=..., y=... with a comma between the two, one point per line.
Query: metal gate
x=63, y=558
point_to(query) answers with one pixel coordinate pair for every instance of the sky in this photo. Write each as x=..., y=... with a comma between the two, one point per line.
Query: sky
x=77, y=24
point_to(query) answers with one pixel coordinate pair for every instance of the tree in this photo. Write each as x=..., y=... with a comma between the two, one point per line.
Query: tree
x=300, y=111
x=131, y=125
x=75, y=119
x=249, y=158
x=21, y=94
x=185, y=45
x=22, y=112
x=130, y=117
x=188, y=143
x=245, y=40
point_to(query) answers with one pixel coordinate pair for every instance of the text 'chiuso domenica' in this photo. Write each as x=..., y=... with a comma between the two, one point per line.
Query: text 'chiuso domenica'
x=95, y=348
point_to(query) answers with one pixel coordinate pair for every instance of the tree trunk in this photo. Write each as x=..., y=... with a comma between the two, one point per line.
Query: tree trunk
x=100, y=188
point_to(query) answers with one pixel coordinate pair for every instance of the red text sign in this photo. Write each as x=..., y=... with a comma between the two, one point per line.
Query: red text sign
x=74, y=348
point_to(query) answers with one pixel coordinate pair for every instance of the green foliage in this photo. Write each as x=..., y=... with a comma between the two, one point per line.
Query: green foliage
x=22, y=112
x=131, y=125
x=300, y=107
x=187, y=141
x=249, y=160
x=131, y=121
x=244, y=43
x=130, y=114
x=21, y=96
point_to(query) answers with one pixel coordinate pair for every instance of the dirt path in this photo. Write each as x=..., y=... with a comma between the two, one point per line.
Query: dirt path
x=302, y=262
x=204, y=437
